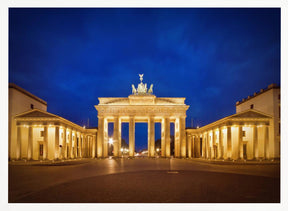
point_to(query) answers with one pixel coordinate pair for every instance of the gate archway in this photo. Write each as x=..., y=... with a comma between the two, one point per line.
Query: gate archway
x=142, y=106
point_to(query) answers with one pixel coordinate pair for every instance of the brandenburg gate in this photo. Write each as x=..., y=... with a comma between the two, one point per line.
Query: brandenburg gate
x=142, y=106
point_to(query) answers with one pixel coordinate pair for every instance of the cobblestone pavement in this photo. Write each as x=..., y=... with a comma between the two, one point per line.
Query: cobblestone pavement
x=143, y=180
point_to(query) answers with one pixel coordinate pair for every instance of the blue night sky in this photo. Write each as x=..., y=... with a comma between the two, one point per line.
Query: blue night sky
x=213, y=57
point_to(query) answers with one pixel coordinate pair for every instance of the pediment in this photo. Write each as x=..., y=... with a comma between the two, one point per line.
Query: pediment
x=36, y=113
x=251, y=114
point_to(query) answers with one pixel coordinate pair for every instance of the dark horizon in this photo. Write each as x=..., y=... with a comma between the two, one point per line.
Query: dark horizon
x=213, y=57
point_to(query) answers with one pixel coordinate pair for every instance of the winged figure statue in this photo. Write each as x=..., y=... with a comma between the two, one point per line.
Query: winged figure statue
x=141, y=77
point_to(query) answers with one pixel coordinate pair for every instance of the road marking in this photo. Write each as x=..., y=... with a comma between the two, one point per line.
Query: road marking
x=172, y=172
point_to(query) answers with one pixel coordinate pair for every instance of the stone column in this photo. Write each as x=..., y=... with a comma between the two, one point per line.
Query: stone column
x=87, y=146
x=194, y=142
x=119, y=137
x=56, y=154
x=177, y=138
x=189, y=145
x=198, y=146
x=76, y=144
x=105, y=142
x=70, y=144
x=94, y=146
x=19, y=140
x=163, y=145
x=207, y=145
x=203, y=145
x=220, y=143
x=183, y=137
x=266, y=141
x=255, y=142
x=83, y=146
x=213, y=145
x=167, y=137
x=192, y=145
x=229, y=144
x=131, y=136
x=240, y=143
x=116, y=137
x=64, y=148
x=45, y=143
x=90, y=143
x=30, y=143
x=151, y=136
x=100, y=137
x=84, y=154
x=80, y=145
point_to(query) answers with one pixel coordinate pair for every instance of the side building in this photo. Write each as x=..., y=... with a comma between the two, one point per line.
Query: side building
x=35, y=134
x=267, y=101
x=253, y=133
x=20, y=101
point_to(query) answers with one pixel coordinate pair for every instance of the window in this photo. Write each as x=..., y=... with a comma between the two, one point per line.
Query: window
x=31, y=106
x=251, y=106
x=62, y=135
x=244, y=133
x=42, y=133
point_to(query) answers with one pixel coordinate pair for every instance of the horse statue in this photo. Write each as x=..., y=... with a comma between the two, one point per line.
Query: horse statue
x=150, y=91
x=133, y=89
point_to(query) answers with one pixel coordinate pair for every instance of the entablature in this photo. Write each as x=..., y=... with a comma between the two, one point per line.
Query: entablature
x=139, y=110
x=142, y=100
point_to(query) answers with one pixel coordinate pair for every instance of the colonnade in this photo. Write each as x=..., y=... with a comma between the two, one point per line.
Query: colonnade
x=180, y=135
x=53, y=141
x=227, y=142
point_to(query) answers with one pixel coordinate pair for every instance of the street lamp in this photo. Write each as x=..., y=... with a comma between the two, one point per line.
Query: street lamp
x=110, y=141
x=121, y=151
x=157, y=151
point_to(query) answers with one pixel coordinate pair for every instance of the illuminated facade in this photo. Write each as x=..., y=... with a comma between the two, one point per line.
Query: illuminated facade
x=142, y=108
x=267, y=101
x=240, y=136
x=35, y=134
x=252, y=133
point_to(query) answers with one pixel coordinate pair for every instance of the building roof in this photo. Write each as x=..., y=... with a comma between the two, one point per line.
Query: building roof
x=39, y=115
x=248, y=116
x=14, y=86
x=271, y=86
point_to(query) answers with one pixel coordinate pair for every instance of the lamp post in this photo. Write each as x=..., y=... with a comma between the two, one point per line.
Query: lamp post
x=121, y=151
x=157, y=151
